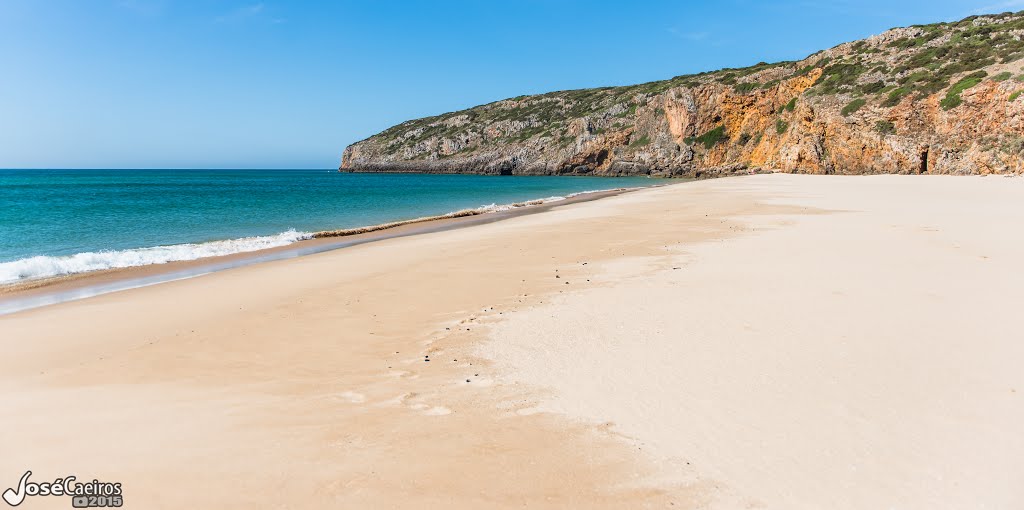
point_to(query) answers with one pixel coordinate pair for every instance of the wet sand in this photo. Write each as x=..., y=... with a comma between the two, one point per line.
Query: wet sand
x=771, y=341
x=29, y=294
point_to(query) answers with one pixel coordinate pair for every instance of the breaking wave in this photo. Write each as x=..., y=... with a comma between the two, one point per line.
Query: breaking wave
x=42, y=266
x=45, y=266
x=484, y=209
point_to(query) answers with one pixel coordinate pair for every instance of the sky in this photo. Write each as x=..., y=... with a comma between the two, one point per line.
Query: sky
x=278, y=84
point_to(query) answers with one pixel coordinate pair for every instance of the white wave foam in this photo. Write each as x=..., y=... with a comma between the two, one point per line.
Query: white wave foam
x=44, y=266
x=540, y=201
x=483, y=209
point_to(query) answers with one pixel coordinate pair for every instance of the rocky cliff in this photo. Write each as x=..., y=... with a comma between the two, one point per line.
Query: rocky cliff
x=944, y=98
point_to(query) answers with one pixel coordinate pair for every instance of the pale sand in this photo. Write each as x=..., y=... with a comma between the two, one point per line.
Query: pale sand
x=872, y=358
x=859, y=359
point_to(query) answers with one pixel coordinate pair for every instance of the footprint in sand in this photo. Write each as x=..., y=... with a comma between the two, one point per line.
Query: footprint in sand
x=398, y=401
x=429, y=410
x=520, y=407
x=474, y=381
x=352, y=397
x=408, y=400
x=437, y=411
x=403, y=374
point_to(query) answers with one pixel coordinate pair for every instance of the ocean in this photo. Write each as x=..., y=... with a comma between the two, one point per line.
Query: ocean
x=59, y=222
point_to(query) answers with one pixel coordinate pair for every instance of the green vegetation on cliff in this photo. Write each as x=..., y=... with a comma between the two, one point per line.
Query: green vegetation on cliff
x=719, y=119
x=853, y=106
x=952, y=99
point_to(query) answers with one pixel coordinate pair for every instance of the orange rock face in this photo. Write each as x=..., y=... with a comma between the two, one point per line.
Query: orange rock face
x=910, y=100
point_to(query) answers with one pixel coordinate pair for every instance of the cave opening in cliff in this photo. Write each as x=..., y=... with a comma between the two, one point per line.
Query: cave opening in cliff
x=923, y=169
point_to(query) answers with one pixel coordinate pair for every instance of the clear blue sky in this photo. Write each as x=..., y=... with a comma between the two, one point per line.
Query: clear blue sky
x=275, y=84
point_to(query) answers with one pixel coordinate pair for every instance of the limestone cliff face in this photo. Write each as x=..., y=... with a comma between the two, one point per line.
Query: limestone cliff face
x=944, y=98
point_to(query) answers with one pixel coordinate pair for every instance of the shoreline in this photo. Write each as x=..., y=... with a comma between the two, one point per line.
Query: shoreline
x=306, y=381
x=19, y=296
x=692, y=346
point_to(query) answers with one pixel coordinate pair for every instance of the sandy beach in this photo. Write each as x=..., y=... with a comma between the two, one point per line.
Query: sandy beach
x=771, y=341
x=31, y=293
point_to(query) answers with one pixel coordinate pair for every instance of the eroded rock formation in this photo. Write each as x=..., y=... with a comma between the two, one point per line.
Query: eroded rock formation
x=944, y=98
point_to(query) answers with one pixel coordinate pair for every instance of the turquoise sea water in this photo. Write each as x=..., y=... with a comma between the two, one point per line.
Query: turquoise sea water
x=56, y=222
